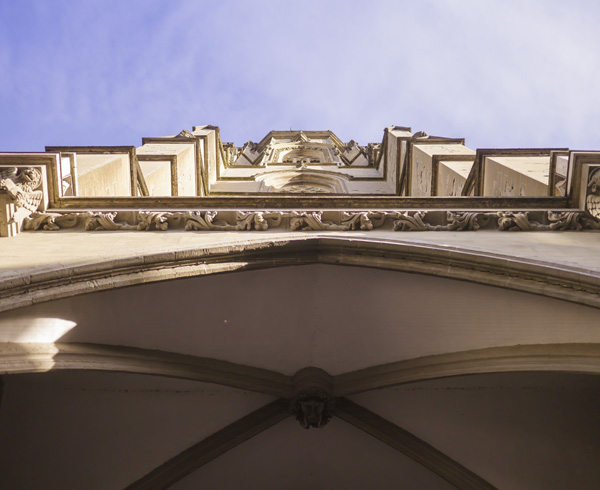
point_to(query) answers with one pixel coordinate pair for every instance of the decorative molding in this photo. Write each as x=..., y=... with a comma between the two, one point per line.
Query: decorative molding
x=313, y=221
x=432, y=220
x=466, y=221
x=410, y=445
x=51, y=221
x=188, y=461
x=573, y=358
x=18, y=358
x=407, y=221
x=563, y=281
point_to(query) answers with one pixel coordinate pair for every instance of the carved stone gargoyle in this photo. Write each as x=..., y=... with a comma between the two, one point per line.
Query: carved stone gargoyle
x=20, y=198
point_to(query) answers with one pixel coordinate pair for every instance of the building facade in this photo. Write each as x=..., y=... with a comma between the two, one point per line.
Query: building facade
x=300, y=312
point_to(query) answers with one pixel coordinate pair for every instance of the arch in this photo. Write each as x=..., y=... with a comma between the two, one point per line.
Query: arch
x=555, y=281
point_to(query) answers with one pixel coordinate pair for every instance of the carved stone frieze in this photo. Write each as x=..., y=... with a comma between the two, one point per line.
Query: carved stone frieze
x=333, y=220
x=311, y=221
x=152, y=221
x=51, y=221
x=363, y=220
x=509, y=221
x=466, y=221
x=571, y=220
x=205, y=221
x=105, y=222
x=406, y=221
x=260, y=221
x=555, y=221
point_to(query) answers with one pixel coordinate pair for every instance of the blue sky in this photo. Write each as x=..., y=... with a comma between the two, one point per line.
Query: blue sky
x=499, y=73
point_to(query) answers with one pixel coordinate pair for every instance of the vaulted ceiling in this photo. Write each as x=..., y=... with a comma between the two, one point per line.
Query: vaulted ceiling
x=186, y=383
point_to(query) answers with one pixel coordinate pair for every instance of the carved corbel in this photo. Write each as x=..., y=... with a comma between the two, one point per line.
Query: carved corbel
x=19, y=197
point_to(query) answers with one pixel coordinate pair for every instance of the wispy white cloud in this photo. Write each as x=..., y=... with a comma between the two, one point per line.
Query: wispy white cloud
x=498, y=73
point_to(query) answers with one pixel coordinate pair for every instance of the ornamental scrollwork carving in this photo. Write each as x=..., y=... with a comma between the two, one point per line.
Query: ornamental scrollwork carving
x=404, y=221
x=51, y=221
x=205, y=221
x=365, y=221
x=509, y=221
x=571, y=220
x=466, y=221
x=152, y=221
x=105, y=222
x=433, y=220
x=260, y=221
x=311, y=221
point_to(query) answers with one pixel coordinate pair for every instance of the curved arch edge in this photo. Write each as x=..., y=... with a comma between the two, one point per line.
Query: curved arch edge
x=565, y=282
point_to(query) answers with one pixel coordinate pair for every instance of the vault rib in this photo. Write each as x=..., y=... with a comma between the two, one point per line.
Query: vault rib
x=213, y=446
x=574, y=358
x=410, y=445
x=42, y=357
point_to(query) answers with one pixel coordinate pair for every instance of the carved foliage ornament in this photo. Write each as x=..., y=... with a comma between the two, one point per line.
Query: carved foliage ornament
x=316, y=220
